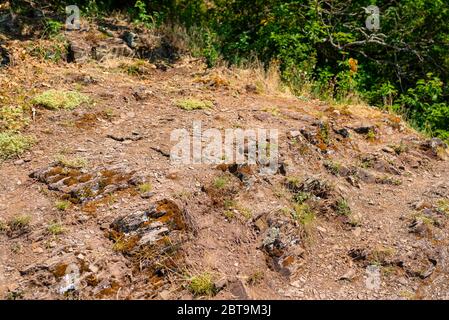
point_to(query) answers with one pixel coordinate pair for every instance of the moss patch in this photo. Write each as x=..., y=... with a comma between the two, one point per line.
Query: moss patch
x=13, y=144
x=60, y=99
x=145, y=187
x=72, y=163
x=12, y=118
x=194, y=104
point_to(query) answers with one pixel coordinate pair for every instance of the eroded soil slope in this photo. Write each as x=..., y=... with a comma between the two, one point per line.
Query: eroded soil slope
x=357, y=210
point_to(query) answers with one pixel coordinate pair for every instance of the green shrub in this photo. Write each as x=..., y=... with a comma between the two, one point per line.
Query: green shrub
x=425, y=106
x=54, y=50
x=221, y=182
x=303, y=214
x=52, y=27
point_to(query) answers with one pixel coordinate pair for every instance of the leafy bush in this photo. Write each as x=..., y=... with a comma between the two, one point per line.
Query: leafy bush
x=424, y=105
x=52, y=27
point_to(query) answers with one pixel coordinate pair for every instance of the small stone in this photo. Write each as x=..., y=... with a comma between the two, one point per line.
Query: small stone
x=19, y=162
x=38, y=250
x=220, y=284
x=420, y=205
x=82, y=218
x=164, y=295
x=342, y=132
x=238, y=289
x=349, y=275
x=388, y=150
x=173, y=174
x=153, y=235
x=251, y=88
x=147, y=195
x=104, y=226
x=364, y=129
x=295, y=133
x=93, y=268
x=418, y=227
x=261, y=225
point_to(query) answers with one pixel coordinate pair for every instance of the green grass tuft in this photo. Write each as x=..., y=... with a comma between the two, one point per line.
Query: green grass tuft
x=145, y=187
x=55, y=228
x=303, y=214
x=343, y=208
x=20, y=222
x=62, y=205
x=202, y=285
x=221, y=182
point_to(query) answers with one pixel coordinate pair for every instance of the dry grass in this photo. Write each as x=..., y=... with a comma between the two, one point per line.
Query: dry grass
x=255, y=278
x=267, y=81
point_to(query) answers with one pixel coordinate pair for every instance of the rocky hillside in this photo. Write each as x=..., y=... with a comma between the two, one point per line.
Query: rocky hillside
x=92, y=207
